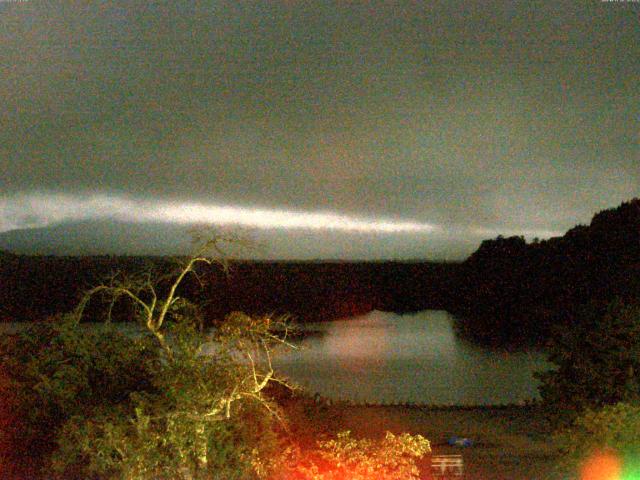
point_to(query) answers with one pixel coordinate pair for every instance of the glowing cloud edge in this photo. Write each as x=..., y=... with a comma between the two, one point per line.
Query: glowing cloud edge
x=39, y=210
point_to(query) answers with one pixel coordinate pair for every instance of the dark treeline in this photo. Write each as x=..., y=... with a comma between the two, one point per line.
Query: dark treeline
x=321, y=291
x=511, y=292
x=34, y=287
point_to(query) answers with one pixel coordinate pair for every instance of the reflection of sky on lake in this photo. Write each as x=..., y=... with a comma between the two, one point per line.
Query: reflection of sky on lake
x=384, y=357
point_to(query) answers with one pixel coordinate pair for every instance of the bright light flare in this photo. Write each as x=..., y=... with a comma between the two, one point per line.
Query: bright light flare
x=609, y=465
x=602, y=466
x=39, y=210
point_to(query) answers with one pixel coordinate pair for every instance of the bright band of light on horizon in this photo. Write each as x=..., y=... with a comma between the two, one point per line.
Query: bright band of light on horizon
x=40, y=210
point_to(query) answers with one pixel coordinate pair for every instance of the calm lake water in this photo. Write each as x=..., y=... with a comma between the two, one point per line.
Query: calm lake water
x=387, y=358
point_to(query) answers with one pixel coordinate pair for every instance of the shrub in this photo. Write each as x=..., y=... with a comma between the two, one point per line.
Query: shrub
x=54, y=371
x=204, y=418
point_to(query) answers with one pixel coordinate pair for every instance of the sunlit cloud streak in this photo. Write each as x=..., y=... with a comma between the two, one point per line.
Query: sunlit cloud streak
x=39, y=210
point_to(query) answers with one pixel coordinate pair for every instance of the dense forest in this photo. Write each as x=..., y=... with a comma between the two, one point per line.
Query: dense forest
x=507, y=292
x=34, y=287
x=513, y=292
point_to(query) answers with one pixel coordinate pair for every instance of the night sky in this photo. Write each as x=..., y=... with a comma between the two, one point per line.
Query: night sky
x=352, y=130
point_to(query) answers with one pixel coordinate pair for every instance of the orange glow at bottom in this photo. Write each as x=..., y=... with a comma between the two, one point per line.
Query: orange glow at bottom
x=602, y=466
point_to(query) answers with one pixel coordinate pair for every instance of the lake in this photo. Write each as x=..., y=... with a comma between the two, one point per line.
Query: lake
x=389, y=358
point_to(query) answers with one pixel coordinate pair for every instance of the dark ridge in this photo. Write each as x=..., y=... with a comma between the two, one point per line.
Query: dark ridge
x=513, y=292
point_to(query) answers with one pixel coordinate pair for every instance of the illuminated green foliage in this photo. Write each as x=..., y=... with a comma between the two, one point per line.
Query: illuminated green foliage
x=391, y=458
x=204, y=418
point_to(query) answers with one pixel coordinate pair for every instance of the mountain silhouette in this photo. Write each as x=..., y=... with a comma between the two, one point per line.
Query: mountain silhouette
x=98, y=237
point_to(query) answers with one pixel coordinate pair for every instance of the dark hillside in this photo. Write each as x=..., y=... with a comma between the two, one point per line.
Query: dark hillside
x=514, y=292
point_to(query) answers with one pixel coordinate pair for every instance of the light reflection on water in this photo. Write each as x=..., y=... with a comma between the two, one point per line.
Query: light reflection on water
x=388, y=358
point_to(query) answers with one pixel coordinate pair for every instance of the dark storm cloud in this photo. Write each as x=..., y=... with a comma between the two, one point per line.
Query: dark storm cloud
x=487, y=118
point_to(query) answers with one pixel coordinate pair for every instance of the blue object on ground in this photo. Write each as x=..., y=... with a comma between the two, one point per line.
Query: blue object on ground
x=460, y=442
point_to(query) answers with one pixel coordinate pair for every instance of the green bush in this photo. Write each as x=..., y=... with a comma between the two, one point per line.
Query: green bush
x=190, y=425
x=55, y=370
x=96, y=403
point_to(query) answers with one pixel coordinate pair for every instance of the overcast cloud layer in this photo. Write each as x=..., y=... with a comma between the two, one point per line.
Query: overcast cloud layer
x=465, y=119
